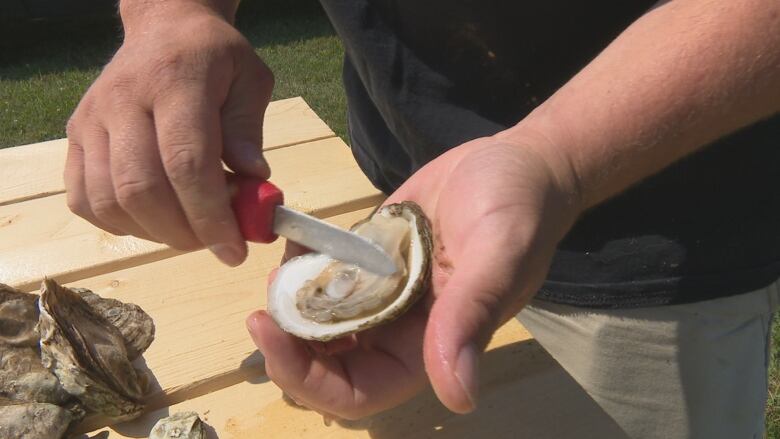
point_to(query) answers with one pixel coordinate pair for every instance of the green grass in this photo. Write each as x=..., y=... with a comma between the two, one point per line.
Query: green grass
x=773, y=401
x=45, y=68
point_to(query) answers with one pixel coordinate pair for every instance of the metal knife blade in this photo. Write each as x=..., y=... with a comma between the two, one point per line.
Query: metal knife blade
x=332, y=241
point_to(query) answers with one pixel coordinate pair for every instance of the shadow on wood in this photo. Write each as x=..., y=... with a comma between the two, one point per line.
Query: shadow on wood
x=524, y=394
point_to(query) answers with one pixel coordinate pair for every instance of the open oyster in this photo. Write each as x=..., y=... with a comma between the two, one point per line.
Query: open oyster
x=183, y=425
x=87, y=354
x=318, y=298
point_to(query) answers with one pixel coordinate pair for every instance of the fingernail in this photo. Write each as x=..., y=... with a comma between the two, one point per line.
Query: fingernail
x=252, y=157
x=252, y=326
x=467, y=373
x=229, y=254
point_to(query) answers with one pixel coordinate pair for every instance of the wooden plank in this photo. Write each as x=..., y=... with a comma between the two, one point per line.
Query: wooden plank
x=524, y=393
x=33, y=171
x=199, y=307
x=41, y=237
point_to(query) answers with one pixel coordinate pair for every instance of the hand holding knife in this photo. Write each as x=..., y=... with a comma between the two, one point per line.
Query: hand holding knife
x=262, y=216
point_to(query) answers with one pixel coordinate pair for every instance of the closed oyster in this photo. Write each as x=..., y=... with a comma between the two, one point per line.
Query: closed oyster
x=22, y=376
x=183, y=425
x=18, y=317
x=318, y=298
x=136, y=326
x=87, y=354
x=33, y=420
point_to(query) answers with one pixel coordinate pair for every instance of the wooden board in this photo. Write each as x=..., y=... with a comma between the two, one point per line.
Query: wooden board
x=199, y=307
x=35, y=170
x=40, y=237
x=204, y=360
x=524, y=394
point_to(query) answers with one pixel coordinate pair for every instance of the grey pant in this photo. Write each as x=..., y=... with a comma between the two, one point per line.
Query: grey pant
x=683, y=371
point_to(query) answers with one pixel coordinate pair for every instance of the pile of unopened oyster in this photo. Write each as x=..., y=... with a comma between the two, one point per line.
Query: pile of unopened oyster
x=66, y=354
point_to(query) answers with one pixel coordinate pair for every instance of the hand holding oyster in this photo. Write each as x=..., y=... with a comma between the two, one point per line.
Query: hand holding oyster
x=318, y=298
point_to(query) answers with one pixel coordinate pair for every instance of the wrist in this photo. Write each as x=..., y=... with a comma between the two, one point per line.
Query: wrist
x=538, y=138
x=139, y=15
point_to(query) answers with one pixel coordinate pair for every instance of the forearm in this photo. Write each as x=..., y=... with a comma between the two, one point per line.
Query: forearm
x=136, y=14
x=681, y=76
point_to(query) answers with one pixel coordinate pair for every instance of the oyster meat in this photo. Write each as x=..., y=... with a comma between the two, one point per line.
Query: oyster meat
x=183, y=425
x=318, y=298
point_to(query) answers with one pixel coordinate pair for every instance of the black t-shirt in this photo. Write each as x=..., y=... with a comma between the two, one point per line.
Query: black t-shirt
x=423, y=77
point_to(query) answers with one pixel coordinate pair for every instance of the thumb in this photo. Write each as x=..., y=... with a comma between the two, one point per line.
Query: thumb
x=242, y=120
x=470, y=307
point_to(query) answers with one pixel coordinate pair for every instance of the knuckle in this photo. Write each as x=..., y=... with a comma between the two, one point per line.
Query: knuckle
x=70, y=128
x=106, y=209
x=77, y=205
x=182, y=164
x=133, y=193
x=262, y=71
x=166, y=64
x=171, y=71
x=121, y=90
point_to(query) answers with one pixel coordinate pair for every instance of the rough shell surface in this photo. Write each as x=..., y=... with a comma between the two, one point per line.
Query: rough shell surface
x=183, y=425
x=23, y=377
x=33, y=420
x=87, y=354
x=18, y=317
x=135, y=325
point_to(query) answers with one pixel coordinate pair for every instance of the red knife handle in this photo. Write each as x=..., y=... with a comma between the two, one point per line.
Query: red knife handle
x=254, y=201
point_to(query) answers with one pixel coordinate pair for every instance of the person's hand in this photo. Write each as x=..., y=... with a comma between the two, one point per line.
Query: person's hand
x=498, y=209
x=146, y=143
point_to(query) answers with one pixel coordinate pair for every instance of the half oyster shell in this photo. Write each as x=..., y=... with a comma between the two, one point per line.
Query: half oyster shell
x=136, y=326
x=318, y=298
x=87, y=354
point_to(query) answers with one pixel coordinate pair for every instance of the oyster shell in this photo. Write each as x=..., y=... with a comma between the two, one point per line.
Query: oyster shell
x=22, y=376
x=18, y=317
x=87, y=354
x=318, y=298
x=33, y=420
x=136, y=326
x=183, y=425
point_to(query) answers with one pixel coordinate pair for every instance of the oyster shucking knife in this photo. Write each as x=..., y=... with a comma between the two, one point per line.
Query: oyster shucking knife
x=262, y=216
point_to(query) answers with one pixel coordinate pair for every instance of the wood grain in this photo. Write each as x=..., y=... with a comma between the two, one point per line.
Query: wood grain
x=35, y=170
x=524, y=394
x=199, y=306
x=40, y=237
